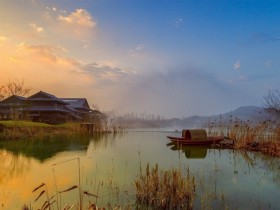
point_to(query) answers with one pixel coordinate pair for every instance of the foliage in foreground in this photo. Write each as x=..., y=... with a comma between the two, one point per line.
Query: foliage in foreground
x=165, y=189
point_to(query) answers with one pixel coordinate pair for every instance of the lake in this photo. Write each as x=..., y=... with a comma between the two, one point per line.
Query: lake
x=107, y=165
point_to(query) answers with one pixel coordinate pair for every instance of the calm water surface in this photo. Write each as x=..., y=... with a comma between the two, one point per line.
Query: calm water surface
x=109, y=164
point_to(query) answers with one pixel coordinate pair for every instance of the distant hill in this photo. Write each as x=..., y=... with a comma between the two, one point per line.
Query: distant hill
x=244, y=113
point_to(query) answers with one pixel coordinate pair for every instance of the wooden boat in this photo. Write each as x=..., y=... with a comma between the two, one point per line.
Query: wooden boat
x=206, y=142
x=196, y=137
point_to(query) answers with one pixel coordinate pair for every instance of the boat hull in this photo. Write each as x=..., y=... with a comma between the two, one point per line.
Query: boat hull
x=207, y=142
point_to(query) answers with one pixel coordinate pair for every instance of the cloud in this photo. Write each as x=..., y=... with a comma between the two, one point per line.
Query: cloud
x=106, y=71
x=137, y=50
x=45, y=52
x=178, y=22
x=182, y=91
x=45, y=67
x=139, y=47
x=37, y=28
x=49, y=54
x=80, y=17
x=237, y=65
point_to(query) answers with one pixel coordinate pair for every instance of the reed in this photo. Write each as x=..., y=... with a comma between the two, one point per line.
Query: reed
x=208, y=197
x=56, y=197
x=164, y=189
x=263, y=136
x=105, y=188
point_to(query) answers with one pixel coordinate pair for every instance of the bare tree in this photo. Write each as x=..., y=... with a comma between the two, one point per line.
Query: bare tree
x=14, y=87
x=272, y=102
x=2, y=92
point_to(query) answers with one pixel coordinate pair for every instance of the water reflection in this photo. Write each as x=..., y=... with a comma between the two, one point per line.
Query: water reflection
x=12, y=165
x=43, y=149
x=261, y=164
x=241, y=176
x=191, y=152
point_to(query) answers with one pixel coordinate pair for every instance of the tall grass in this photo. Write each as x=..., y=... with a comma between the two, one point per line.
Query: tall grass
x=161, y=189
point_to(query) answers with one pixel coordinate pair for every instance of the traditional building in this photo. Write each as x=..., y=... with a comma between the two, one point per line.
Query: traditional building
x=45, y=107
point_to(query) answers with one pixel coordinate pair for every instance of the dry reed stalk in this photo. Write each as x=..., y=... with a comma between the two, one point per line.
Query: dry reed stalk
x=249, y=136
x=271, y=148
x=165, y=189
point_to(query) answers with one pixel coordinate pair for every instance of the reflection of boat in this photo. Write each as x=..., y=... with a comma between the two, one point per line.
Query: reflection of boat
x=195, y=137
x=195, y=152
x=184, y=141
x=191, y=152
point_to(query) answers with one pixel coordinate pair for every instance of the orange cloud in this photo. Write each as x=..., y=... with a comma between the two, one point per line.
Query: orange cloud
x=80, y=17
x=37, y=28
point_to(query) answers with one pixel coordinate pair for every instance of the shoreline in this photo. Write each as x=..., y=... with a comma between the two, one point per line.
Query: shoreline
x=16, y=130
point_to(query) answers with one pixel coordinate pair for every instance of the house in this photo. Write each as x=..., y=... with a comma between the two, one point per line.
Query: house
x=45, y=107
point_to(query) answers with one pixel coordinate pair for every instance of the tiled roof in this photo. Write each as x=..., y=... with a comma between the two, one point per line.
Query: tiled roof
x=43, y=93
x=21, y=98
x=77, y=103
x=47, y=97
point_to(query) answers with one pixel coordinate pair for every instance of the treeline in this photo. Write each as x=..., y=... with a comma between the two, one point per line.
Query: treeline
x=143, y=120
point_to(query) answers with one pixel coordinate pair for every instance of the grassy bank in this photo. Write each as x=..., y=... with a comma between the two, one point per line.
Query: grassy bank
x=27, y=129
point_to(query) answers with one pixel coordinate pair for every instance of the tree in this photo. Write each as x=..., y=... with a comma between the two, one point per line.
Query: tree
x=272, y=102
x=2, y=92
x=15, y=87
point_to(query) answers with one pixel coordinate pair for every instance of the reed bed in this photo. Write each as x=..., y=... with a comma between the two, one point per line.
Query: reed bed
x=263, y=136
x=162, y=189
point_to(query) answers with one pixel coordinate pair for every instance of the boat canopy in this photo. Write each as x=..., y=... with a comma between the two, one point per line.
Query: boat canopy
x=196, y=134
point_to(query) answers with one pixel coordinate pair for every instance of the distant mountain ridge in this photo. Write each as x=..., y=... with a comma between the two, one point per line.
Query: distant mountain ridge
x=244, y=113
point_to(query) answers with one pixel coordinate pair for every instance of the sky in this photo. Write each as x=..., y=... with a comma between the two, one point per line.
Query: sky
x=173, y=58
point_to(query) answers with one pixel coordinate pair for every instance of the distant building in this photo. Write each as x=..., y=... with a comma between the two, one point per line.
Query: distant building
x=45, y=107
